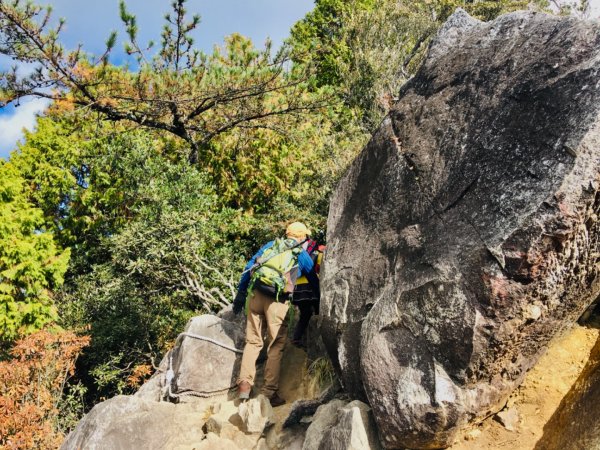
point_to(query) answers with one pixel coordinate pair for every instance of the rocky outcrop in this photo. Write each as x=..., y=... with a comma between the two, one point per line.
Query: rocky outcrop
x=197, y=372
x=195, y=413
x=342, y=425
x=204, y=361
x=304, y=407
x=125, y=422
x=207, y=356
x=225, y=426
x=323, y=420
x=465, y=235
x=256, y=414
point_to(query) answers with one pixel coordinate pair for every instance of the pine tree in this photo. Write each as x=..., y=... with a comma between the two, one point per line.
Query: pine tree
x=181, y=90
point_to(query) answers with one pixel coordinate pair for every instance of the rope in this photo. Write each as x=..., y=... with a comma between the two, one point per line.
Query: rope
x=207, y=339
x=198, y=394
x=167, y=393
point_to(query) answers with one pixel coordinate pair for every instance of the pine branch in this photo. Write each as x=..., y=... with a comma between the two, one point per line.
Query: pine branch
x=183, y=92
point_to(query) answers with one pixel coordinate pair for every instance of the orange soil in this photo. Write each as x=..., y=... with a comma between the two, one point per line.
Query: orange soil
x=539, y=395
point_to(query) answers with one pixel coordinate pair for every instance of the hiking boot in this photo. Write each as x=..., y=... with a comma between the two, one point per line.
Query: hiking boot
x=276, y=400
x=244, y=389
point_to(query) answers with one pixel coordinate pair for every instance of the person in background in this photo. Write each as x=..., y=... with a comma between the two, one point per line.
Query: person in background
x=305, y=297
x=269, y=278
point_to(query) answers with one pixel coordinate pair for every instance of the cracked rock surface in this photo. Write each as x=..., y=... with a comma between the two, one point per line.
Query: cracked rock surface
x=465, y=235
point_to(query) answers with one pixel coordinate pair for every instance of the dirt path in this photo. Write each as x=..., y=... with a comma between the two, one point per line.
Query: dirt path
x=291, y=380
x=536, y=400
x=539, y=395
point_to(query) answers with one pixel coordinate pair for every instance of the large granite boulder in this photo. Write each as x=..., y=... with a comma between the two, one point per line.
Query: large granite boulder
x=127, y=422
x=196, y=373
x=465, y=235
x=204, y=362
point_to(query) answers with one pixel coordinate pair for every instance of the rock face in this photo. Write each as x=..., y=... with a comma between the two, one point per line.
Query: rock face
x=125, y=422
x=205, y=360
x=203, y=366
x=256, y=414
x=339, y=425
x=465, y=235
x=208, y=366
x=323, y=420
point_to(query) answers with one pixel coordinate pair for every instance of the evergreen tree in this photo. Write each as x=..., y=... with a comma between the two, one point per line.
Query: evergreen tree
x=31, y=264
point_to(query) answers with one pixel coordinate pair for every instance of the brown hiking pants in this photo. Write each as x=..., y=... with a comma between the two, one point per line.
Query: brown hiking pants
x=261, y=309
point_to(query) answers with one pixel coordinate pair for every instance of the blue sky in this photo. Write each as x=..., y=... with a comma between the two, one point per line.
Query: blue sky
x=89, y=22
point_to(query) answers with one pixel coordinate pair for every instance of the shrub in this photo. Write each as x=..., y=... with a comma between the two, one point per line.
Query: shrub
x=31, y=388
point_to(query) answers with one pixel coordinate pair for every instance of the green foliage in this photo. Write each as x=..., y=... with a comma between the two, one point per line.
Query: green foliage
x=65, y=166
x=48, y=161
x=31, y=264
x=319, y=37
x=320, y=375
x=110, y=375
x=257, y=169
x=176, y=255
x=71, y=406
x=368, y=49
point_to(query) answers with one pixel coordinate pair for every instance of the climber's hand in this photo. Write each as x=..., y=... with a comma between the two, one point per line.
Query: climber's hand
x=239, y=301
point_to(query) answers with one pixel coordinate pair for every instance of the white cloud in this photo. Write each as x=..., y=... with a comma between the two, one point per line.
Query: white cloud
x=11, y=125
x=23, y=69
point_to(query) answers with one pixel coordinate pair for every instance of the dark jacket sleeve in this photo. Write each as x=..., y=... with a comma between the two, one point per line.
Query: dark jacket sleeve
x=307, y=268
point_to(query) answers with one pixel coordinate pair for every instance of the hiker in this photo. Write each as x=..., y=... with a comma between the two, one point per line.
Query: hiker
x=304, y=296
x=269, y=277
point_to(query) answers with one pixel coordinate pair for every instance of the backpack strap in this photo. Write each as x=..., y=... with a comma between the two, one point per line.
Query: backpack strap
x=296, y=249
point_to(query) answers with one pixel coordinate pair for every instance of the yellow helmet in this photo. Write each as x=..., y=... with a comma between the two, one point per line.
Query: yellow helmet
x=297, y=230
